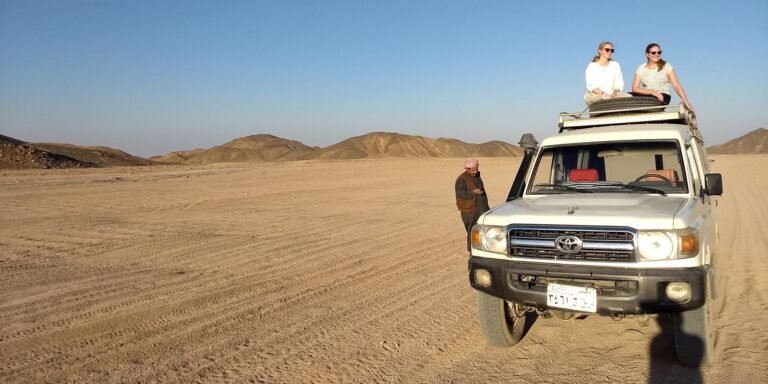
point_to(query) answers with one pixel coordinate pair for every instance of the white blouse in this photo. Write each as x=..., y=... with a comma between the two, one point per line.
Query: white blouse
x=606, y=78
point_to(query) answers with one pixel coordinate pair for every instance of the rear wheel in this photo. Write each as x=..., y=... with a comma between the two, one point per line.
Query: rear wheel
x=693, y=336
x=502, y=323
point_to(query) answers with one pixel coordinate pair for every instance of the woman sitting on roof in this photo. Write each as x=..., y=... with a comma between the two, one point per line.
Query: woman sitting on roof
x=653, y=77
x=604, y=80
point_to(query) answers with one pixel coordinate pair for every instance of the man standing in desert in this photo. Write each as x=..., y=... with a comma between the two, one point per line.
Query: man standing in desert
x=470, y=196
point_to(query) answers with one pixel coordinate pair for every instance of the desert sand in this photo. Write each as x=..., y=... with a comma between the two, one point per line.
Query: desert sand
x=317, y=272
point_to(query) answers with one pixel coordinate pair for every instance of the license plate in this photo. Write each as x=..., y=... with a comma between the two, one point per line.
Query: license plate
x=582, y=299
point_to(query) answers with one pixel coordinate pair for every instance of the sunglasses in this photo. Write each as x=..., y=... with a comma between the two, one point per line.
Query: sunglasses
x=655, y=53
x=611, y=50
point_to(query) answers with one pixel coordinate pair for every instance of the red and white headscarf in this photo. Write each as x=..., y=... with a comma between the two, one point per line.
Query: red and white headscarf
x=471, y=163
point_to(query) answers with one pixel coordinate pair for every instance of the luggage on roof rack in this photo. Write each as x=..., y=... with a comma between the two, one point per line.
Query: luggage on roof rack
x=621, y=111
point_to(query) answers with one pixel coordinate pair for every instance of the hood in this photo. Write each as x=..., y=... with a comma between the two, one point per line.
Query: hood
x=640, y=211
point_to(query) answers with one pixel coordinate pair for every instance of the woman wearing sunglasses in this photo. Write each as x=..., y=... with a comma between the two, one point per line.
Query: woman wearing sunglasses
x=653, y=78
x=604, y=80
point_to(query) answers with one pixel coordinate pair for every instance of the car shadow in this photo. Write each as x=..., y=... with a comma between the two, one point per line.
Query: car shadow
x=530, y=319
x=664, y=365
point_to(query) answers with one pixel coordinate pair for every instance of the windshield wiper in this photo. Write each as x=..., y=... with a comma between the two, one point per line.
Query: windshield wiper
x=566, y=187
x=639, y=188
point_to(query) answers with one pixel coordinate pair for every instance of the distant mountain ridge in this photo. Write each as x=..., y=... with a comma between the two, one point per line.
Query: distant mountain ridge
x=261, y=147
x=386, y=144
x=18, y=154
x=265, y=147
x=755, y=142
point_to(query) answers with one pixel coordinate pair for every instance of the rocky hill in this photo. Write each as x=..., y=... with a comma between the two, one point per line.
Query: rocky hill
x=252, y=148
x=17, y=154
x=177, y=156
x=755, y=142
x=371, y=145
x=386, y=144
x=99, y=155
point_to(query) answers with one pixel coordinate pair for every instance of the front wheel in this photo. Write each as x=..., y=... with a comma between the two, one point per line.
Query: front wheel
x=693, y=336
x=502, y=323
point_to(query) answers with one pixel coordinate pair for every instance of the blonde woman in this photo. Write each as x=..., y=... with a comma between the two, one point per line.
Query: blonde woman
x=603, y=75
x=654, y=77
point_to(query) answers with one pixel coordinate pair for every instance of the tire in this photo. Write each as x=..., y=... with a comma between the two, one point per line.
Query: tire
x=623, y=103
x=693, y=336
x=500, y=327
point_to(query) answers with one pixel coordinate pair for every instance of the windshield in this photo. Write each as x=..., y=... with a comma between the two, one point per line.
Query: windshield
x=621, y=167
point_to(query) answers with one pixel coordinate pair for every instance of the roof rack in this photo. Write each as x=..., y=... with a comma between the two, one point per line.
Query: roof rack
x=673, y=114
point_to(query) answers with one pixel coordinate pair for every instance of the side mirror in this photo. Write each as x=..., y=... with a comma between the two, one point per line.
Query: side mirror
x=713, y=184
x=529, y=143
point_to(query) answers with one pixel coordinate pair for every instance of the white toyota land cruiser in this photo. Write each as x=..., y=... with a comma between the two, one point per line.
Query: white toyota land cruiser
x=616, y=216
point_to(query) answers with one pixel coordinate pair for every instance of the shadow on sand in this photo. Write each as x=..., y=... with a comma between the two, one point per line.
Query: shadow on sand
x=665, y=366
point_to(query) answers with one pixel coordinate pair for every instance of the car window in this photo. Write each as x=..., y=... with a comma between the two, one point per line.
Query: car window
x=695, y=166
x=604, y=166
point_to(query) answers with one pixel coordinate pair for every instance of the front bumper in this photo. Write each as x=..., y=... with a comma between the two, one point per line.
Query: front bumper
x=619, y=290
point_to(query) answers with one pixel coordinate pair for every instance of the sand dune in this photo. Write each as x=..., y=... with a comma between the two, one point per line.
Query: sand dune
x=284, y=272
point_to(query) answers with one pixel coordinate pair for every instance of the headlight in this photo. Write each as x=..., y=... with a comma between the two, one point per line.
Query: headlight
x=658, y=245
x=491, y=239
x=655, y=245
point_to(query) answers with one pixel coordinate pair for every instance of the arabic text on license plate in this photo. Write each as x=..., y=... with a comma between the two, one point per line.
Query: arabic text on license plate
x=582, y=299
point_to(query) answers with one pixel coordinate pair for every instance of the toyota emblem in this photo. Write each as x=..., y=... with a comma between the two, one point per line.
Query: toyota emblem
x=568, y=244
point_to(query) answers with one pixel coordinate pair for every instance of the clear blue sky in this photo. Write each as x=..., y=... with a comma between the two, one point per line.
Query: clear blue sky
x=151, y=77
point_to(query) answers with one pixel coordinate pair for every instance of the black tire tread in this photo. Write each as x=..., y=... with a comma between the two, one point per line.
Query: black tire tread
x=603, y=107
x=499, y=329
x=625, y=102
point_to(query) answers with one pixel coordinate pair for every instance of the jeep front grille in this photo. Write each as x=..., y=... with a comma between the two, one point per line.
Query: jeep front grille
x=613, y=288
x=597, y=243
